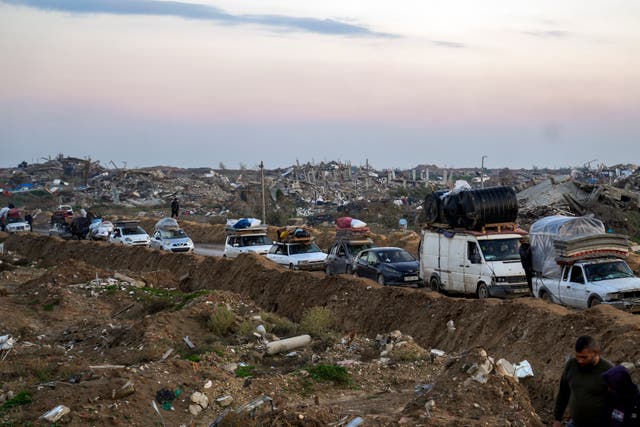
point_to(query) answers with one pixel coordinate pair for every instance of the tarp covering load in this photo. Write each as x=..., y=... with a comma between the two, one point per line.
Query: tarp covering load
x=294, y=235
x=561, y=239
x=348, y=228
x=243, y=223
x=472, y=209
x=167, y=224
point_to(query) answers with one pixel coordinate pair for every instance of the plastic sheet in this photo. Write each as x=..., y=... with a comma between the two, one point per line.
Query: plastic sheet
x=545, y=231
x=167, y=224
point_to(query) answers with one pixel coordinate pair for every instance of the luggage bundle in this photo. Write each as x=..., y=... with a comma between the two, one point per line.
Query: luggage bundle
x=351, y=229
x=294, y=235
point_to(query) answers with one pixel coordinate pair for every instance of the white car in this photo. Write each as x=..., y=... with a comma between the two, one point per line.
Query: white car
x=172, y=241
x=129, y=233
x=298, y=256
x=258, y=243
x=17, y=225
x=100, y=230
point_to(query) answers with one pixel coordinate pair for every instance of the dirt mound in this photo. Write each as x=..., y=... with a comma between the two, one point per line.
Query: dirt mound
x=523, y=329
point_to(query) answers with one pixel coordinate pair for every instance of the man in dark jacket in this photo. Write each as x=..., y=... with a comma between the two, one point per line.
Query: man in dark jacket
x=582, y=387
x=623, y=402
x=526, y=261
x=175, y=207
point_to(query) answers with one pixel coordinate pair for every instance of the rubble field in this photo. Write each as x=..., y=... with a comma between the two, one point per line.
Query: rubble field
x=110, y=332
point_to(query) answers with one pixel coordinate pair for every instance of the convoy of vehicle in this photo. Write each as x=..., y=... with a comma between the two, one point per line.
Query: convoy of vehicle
x=349, y=242
x=388, y=266
x=297, y=255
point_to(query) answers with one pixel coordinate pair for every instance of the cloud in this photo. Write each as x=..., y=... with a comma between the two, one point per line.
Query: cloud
x=452, y=45
x=198, y=11
x=549, y=34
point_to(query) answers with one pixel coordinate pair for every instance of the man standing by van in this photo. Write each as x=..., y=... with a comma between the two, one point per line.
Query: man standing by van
x=582, y=386
x=527, y=262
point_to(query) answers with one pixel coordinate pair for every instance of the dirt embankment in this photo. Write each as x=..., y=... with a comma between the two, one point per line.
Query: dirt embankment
x=529, y=329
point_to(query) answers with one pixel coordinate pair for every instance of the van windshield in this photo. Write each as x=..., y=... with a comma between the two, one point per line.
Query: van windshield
x=607, y=271
x=500, y=249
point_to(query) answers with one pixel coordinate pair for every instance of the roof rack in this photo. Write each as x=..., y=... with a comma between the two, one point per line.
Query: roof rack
x=248, y=230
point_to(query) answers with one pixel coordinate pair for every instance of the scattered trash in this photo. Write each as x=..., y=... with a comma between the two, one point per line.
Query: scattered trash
x=201, y=399
x=188, y=342
x=208, y=384
x=126, y=390
x=224, y=401
x=523, y=369
x=6, y=342
x=355, y=422
x=165, y=397
x=56, y=413
x=253, y=405
x=423, y=388
x=166, y=354
x=451, y=326
x=261, y=330
x=288, y=344
x=155, y=408
x=505, y=368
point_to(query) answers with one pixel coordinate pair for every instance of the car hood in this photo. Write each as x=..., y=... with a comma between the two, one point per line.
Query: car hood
x=506, y=268
x=405, y=267
x=314, y=256
x=619, y=285
x=177, y=240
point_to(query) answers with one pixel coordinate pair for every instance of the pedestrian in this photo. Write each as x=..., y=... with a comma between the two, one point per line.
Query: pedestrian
x=526, y=261
x=623, y=400
x=29, y=218
x=175, y=207
x=582, y=387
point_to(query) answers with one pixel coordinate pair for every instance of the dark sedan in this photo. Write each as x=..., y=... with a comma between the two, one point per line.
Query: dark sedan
x=388, y=266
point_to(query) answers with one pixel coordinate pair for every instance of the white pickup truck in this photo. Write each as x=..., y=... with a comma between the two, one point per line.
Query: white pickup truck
x=591, y=282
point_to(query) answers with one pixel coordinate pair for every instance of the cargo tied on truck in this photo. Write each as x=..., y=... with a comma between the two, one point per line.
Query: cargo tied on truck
x=246, y=235
x=470, y=243
x=578, y=264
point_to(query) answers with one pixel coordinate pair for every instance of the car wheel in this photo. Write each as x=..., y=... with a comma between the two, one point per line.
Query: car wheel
x=348, y=270
x=291, y=267
x=483, y=291
x=420, y=283
x=434, y=283
x=595, y=301
x=544, y=296
x=381, y=279
x=327, y=271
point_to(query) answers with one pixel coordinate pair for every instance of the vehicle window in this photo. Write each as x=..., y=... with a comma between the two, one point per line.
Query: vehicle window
x=500, y=249
x=303, y=249
x=255, y=241
x=354, y=249
x=473, y=253
x=607, y=271
x=576, y=274
x=341, y=252
x=565, y=274
x=174, y=234
x=333, y=250
x=373, y=257
x=392, y=256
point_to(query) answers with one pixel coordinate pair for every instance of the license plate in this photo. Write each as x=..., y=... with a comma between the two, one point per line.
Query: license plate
x=410, y=278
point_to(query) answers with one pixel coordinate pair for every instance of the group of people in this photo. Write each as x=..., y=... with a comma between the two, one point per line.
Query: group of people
x=597, y=393
x=5, y=216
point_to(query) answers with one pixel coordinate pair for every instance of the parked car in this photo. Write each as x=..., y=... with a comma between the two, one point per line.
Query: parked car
x=341, y=254
x=129, y=233
x=388, y=266
x=17, y=225
x=67, y=209
x=298, y=256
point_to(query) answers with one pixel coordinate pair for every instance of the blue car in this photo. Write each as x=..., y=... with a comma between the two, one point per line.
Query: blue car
x=388, y=266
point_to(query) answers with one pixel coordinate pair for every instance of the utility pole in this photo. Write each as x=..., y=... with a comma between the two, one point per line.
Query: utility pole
x=264, y=209
x=482, y=172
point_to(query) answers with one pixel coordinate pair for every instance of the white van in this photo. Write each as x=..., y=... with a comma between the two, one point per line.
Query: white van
x=486, y=264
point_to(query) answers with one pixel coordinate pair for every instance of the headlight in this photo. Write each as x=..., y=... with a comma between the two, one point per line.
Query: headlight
x=190, y=242
x=614, y=296
x=501, y=279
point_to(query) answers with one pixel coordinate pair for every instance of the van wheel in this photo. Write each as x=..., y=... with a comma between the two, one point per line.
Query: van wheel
x=381, y=279
x=483, y=291
x=595, y=301
x=434, y=283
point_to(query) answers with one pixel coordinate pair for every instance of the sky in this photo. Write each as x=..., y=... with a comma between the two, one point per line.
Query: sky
x=201, y=83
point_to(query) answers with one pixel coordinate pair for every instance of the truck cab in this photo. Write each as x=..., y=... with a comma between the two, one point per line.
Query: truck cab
x=587, y=283
x=485, y=264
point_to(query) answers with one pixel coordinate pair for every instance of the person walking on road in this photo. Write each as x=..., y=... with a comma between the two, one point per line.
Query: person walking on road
x=582, y=387
x=623, y=402
x=526, y=261
x=175, y=207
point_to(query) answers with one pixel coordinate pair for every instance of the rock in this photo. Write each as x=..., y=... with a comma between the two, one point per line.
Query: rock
x=200, y=398
x=224, y=401
x=195, y=409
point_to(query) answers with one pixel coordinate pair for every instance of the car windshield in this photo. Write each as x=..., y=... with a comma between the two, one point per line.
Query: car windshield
x=303, y=249
x=608, y=270
x=174, y=234
x=132, y=231
x=354, y=249
x=255, y=241
x=392, y=256
x=14, y=220
x=500, y=249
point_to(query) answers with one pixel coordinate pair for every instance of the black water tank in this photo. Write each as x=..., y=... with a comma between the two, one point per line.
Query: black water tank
x=433, y=207
x=488, y=206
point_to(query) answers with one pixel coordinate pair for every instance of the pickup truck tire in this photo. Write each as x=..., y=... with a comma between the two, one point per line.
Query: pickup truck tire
x=483, y=291
x=544, y=296
x=595, y=301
